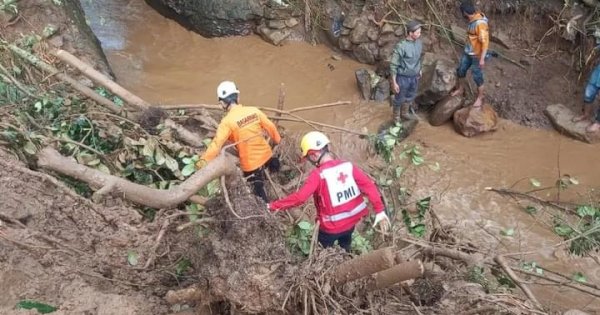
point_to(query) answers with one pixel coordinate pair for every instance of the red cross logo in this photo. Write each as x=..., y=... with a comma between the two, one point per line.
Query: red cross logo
x=342, y=178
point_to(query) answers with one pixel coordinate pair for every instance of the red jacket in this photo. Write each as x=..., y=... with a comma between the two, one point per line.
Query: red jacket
x=337, y=188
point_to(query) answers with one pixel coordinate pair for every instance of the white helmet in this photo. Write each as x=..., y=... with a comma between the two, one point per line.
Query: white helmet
x=226, y=88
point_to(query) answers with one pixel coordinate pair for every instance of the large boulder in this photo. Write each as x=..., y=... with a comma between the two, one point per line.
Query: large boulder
x=360, y=33
x=216, y=18
x=437, y=82
x=371, y=85
x=561, y=117
x=366, y=53
x=363, y=80
x=471, y=121
x=444, y=109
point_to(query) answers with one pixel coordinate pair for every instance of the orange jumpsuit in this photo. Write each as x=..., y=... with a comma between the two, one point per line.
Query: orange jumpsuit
x=244, y=125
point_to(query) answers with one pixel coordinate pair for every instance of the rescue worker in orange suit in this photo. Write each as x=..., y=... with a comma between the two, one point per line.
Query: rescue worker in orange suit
x=337, y=188
x=244, y=125
x=476, y=50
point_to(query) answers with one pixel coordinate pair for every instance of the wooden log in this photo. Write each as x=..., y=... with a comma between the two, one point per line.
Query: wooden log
x=402, y=272
x=38, y=63
x=51, y=159
x=364, y=265
x=101, y=79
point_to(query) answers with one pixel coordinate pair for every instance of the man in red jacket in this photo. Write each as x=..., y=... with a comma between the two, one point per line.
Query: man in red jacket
x=337, y=188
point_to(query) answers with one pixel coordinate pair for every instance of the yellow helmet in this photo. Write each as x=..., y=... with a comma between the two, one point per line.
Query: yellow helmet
x=313, y=140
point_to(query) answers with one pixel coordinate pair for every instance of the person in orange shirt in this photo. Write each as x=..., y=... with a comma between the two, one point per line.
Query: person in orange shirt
x=476, y=50
x=244, y=126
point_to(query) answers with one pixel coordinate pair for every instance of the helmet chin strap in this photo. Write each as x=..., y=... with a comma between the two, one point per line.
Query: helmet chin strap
x=318, y=161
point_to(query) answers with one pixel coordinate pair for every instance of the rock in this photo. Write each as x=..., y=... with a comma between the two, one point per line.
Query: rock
x=366, y=53
x=373, y=33
x=274, y=37
x=277, y=13
x=291, y=22
x=471, y=121
x=363, y=79
x=276, y=24
x=444, y=110
x=437, y=82
x=387, y=28
x=372, y=86
x=385, y=52
x=216, y=18
x=382, y=90
x=359, y=33
x=400, y=31
x=351, y=21
x=345, y=31
x=336, y=57
x=385, y=39
x=561, y=116
x=345, y=43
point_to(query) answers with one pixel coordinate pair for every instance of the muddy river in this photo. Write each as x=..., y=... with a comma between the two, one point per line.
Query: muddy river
x=166, y=64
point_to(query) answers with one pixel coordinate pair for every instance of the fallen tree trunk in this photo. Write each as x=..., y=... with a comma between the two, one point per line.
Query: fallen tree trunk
x=51, y=159
x=38, y=63
x=130, y=98
x=402, y=272
x=101, y=79
x=364, y=265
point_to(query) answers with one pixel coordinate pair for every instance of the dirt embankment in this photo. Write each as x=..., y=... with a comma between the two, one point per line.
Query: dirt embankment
x=68, y=251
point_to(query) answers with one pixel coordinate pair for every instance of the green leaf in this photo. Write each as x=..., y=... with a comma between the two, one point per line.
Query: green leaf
x=29, y=148
x=93, y=162
x=132, y=258
x=563, y=230
x=186, y=160
x=172, y=164
x=148, y=149
x=417, y=160
x=399, y=171
x=305, y=225
x=534, y=182
x=508, y=232
x=531, y=210
x=435, y=167
x=102, y=168
x=159, y=157
x=38, y=106
x=188, y=170
x=579, y=277
x=389, y=142
x=40, y=307
x=584, y=211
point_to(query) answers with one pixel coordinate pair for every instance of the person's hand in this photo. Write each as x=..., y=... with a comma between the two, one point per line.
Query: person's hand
x=382, y=218
x=200, y=164
x=395, y=87
x=482, y=62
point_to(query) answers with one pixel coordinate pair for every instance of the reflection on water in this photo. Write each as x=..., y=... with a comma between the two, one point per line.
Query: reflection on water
x=164, y=63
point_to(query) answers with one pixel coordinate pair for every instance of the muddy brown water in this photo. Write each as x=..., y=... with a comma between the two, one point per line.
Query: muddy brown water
x=164, y=63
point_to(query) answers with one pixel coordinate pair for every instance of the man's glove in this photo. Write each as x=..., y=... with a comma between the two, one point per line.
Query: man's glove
x=382, y=218
x=200, y=164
